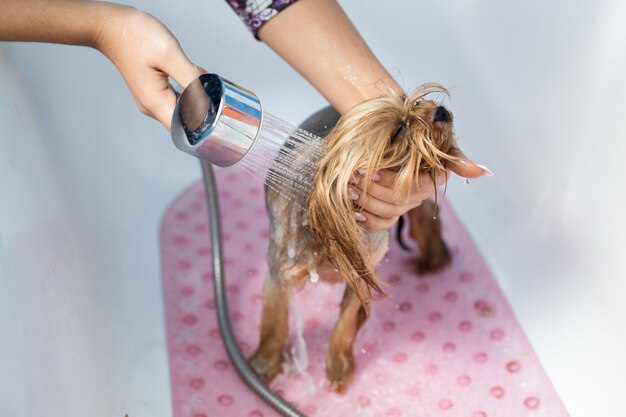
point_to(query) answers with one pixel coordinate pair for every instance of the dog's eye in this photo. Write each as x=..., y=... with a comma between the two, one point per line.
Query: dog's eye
x=416, y=103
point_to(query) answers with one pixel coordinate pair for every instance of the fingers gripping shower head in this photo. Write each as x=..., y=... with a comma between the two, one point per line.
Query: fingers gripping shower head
x=216, y=120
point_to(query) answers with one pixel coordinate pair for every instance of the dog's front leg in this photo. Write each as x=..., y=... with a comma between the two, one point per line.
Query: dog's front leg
x=268, y=358
x=340, y=360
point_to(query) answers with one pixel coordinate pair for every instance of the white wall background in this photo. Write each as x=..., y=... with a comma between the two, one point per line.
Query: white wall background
x=539, y=93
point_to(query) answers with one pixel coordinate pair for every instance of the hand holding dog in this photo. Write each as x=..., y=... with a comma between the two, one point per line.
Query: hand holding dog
x=381, y=210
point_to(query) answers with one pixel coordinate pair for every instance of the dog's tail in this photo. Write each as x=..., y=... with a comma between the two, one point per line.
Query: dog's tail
x=399, y=228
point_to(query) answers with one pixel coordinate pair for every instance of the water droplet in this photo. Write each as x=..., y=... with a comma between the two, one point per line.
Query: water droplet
x=313, y=276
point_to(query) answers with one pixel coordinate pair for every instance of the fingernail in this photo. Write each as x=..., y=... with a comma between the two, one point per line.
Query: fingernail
x=360, y=217
x=487, y=171
x=376, y=177
x=353, y=194
x=362, y=171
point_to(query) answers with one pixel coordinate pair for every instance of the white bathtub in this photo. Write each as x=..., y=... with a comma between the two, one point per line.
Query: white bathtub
x=538, y=95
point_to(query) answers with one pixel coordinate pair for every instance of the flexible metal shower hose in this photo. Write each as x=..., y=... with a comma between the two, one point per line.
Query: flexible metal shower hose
x=236, y=357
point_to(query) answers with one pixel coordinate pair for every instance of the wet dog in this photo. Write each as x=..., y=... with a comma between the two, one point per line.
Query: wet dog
x=316, y=236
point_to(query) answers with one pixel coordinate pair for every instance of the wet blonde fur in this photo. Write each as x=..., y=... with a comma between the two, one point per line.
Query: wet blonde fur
x=390, y=132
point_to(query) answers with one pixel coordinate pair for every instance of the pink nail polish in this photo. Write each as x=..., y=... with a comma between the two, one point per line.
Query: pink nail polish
x=376, y=177
x=360, y=217
x=353, y=194
x=486, y=170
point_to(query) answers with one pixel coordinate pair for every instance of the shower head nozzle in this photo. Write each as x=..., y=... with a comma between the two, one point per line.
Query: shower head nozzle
x=216, y=120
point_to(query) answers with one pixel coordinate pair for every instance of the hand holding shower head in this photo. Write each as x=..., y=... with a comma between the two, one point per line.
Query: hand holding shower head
x=216, y=120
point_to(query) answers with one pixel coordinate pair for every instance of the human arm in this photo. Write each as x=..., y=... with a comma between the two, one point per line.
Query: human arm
x=142, y=48
x=317, y=39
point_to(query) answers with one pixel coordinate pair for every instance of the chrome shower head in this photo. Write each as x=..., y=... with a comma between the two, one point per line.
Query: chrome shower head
x=216, y=120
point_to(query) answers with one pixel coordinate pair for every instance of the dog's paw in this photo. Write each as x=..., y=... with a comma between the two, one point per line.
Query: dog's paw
x=339, y=369
x=435, y=258
x=267, y=364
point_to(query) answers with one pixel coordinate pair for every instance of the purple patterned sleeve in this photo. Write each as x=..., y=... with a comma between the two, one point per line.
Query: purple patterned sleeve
x=255, y=13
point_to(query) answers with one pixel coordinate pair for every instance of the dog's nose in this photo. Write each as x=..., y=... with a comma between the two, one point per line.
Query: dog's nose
x=441, y=115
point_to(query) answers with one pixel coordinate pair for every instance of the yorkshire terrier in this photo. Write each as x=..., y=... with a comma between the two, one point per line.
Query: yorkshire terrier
x=406, y=134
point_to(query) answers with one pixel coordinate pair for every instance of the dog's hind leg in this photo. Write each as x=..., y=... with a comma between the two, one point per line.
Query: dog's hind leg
x=340, y=359
x=425, y=229
x=268, y=357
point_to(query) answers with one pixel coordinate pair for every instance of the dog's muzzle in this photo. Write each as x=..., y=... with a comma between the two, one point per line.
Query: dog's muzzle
x=442, y=115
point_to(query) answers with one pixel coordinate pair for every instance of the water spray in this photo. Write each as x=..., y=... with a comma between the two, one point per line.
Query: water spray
x=225, y=125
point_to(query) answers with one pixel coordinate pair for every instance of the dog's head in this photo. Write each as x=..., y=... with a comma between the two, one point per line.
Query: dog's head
x=407, y=134
x=402, y=133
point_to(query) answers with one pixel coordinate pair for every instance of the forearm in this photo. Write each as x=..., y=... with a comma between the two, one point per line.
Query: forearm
x=71, y=22
x=319, y=41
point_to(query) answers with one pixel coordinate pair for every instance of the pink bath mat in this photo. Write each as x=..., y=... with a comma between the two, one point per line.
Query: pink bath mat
x=446, y=344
